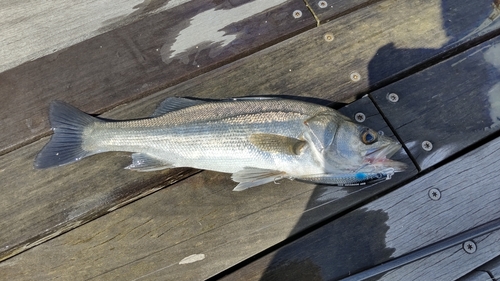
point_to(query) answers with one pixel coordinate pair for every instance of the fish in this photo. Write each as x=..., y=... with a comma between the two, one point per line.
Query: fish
x=257, y=140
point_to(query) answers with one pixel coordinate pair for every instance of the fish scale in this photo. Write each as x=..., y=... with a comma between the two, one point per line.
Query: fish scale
x=257, y=140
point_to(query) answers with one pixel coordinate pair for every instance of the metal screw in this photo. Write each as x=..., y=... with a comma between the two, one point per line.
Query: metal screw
x=427, y=145
x=355, y=76
x=434, y=194
x=360, y=117
x=322, y=4
x=393, y=97
x=381, y=133
x=469, y=247
x=328, y=37
x=297, y=14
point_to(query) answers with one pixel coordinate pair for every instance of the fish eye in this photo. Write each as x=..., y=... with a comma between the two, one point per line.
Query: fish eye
x=369, y=136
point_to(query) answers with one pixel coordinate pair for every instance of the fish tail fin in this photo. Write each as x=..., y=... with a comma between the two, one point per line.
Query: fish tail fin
x=65, y=145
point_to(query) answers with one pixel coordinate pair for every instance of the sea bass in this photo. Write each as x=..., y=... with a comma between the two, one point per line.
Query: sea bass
x=257, y=140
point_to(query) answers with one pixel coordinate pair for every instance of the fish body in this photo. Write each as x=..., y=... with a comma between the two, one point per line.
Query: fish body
x=256, y=140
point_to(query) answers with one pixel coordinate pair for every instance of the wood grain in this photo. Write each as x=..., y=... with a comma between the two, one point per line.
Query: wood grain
x=134, y=60
x=446, y=265
x=398, y=223
x=148, y=238
x=476, y=276
x=452, y=104
x=328, y=10
x=33, y=30
x=492, y=267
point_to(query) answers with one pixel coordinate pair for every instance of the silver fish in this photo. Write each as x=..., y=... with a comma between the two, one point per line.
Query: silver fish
x=257, y=140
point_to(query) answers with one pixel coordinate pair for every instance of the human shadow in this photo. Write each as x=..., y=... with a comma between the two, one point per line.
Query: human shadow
x=356, y=241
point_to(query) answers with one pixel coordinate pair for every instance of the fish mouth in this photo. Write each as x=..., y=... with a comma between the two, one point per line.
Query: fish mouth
x=380, y=157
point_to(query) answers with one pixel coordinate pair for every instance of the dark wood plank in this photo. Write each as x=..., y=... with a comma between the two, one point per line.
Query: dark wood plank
x=327, y=10
x=451, y=105
x=134, y=60
x=398, y=223
x=200, y=215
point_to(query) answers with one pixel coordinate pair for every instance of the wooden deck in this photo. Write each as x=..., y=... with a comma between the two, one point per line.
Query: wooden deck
x=424, y=72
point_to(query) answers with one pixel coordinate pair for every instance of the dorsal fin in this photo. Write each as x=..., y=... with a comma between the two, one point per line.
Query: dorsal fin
x=174, y=103
x=277, y=143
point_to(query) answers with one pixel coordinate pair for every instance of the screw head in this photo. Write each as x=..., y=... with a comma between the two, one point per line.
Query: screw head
x=427, y=145
x=355, y=76
x=381, y=133
x=297, y=14
x=393, y=97
x=328, y=37
x=469, y=247
x=322, y=4
x=434, y=194
x=360, y=117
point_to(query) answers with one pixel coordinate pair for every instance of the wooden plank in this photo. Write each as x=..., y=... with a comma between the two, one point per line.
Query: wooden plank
x=327, y=10
x=137, y=59
x=446, y=265
x=33, y=30
x=492, y=267
x=451, y=105
x=476, y=276
x=200, y=215
x=398, y=223
x=280, y=69
x=41, y=204
x=455, y=14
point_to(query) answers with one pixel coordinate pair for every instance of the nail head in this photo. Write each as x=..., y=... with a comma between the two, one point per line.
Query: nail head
x=355, y=76
x=360, y=117
x=322, y=4
x=393, y=97
x=427, y=145
x=434, y=194
x=328, y=37
x=297, y=14
x=469, y=247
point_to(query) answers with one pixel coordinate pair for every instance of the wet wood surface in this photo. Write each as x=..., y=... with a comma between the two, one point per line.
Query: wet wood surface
x=199, y=228
x=137, y=59
x=200, y=214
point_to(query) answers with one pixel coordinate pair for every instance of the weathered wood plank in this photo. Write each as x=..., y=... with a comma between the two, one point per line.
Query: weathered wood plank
x=398, y=223
x=476, y=276
x=282, y=69
x=39, y=204
x=33, y=30
x=134, y=60
x=200, y=215
x=451, y=105
x=492, y=267
x=446, y=265
x=327, y=10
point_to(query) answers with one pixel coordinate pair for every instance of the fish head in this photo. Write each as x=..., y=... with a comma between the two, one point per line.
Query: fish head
x=344, y=146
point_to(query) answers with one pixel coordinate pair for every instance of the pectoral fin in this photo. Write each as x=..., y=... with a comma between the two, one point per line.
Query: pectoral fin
x=146, y=163
x=277, y=143
x=250, y=177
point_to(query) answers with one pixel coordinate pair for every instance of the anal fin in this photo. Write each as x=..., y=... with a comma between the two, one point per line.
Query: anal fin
x=250, y=177
x=145, y=163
